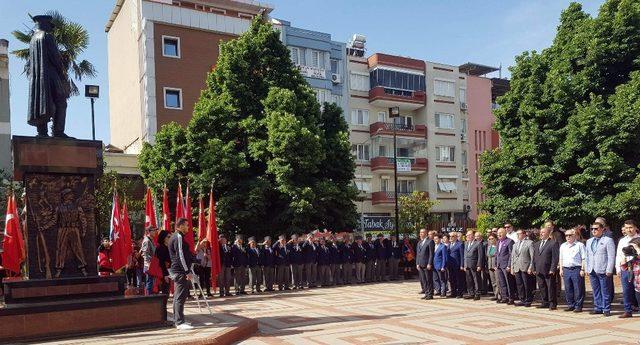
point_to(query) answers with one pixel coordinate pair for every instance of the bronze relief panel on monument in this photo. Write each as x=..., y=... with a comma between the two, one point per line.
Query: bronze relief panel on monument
x=60, y=225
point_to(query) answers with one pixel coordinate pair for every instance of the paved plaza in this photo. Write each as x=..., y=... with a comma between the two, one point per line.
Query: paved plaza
x=383, y=313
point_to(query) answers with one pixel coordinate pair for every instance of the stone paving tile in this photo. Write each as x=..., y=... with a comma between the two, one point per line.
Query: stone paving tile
x=392, y=313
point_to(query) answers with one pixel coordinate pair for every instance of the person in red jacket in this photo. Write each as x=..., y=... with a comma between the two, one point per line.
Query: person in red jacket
x=105, y=265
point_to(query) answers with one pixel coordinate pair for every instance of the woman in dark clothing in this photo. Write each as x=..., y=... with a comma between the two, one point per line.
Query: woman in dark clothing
x=162, y=253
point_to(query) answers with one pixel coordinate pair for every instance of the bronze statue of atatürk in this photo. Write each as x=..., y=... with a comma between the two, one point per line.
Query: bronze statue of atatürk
x=49, y=85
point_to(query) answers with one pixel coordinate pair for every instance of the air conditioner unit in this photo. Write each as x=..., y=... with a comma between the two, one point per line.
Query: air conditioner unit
x=336, y=78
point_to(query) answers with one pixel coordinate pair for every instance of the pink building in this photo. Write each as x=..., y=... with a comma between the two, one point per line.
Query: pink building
x=481, y=95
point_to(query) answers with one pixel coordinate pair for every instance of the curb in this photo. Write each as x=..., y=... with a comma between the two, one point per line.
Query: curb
x=242, y=331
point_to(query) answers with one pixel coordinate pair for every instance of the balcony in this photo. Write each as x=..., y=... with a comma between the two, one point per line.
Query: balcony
x=385, y=165
x=385, y=198
x=383, y=97
x=384, y=128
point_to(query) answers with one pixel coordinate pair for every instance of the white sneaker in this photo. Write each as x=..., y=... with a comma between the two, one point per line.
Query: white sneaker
x=184, y=327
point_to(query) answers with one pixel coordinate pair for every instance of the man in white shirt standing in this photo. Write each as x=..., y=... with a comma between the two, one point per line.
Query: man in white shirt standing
x=630, y=230
x=511, y=233
x=572, y=259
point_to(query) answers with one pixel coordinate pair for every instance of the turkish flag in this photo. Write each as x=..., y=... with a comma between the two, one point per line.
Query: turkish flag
x=149, y=211
x=13, y=243
x=212, y=237
x=118, y=250
x=166, y=213
x=126, y=229
x=190, y=236
x=202, y=222
x=179, y=204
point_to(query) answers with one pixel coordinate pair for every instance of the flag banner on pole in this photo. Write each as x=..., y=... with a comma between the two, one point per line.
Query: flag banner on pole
x=126, y=230
x=202, y=221
x=190, y=236
x=149, y=211
x=13, y=242
x=212, y=237
x=179, y=203
x=118, y=250
x=166, y=214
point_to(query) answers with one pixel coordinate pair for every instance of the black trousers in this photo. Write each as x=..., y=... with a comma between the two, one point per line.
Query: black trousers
x=426, y=280
x=507, y=284
x=456, y=280
x=548, y=288
x=473, y=282
x=525, y=284
x=180, y=293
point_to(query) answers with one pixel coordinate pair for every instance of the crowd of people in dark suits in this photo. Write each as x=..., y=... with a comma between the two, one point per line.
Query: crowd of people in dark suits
x=512, y=264
x=312, y=260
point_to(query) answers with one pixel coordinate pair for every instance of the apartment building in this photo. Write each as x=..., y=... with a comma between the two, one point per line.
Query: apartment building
x=159, y=54
x=438, y=105
x=5, y=111
x=321, y=61
x=482, y=92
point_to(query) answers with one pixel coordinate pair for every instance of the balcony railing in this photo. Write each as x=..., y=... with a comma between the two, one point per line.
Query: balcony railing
x=386, y=163
x=389, y=94
x=385, y=128
x=385, y=197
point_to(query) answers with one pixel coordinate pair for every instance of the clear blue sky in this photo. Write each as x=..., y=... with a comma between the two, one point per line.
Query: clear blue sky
x=490, y=32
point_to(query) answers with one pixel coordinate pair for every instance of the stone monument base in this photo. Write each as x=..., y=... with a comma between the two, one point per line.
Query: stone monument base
x=52, y=308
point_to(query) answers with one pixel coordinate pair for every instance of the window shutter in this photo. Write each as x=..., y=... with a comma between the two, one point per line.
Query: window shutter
x=438, y=153
x=437, y=120
x=452, y=151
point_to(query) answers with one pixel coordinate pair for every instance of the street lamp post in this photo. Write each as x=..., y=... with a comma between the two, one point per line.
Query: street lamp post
x=394, y=113
x=92, y=92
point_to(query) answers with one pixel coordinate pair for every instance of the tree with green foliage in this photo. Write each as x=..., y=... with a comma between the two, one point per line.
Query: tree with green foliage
x=277, y=160
x=570, y=124
x=415, y=212
x=72, y=40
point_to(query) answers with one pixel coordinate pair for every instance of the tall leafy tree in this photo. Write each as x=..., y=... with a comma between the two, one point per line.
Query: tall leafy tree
x=568, y=127
x=259, y=136
x=72, y=40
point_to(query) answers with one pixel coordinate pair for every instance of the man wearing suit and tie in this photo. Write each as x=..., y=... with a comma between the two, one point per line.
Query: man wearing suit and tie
x=546, y=254
x=522, y=268
x=424, y=263
x=601, y=255
x=456, y=265
x=506, y=281
x=440, y=266
x=473, y=261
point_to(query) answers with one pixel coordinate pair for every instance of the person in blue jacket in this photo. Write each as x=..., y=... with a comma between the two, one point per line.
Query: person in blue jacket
x=296, y=259
x=370, y=259
x=346, y=256
x=440, y=265
x=310, y=258
x=268, y=264
x=240, y=262
x=334, y=257
x=456, y=265
x=283, y=270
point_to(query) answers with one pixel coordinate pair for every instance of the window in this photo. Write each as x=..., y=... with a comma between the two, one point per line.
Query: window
x=171, y=46
x=463, y=127
x=217, y=10
x=245, y=16
x=382, y=151
x=463, y=157
x=444, y=121
x=317, y=59
x=359, y=82
x=360, y=117
x=172, y=98
x=397, y=80
x=404, y=121
x=381, y=116
x=445, y=186
x=463, y=95
x=403, y=152
x=360, y=152
x=384, y=185
x=445, y=153
x=406, y=186
x=363, y=186
x=322, y=96
x=335, y=67
x=295, y=55
x=444, y=88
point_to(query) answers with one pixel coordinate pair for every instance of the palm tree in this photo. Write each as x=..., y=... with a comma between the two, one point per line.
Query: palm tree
x=72, y=40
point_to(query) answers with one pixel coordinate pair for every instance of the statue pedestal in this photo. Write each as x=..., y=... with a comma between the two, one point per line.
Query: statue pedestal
x=59, y=176
x=63, y=294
